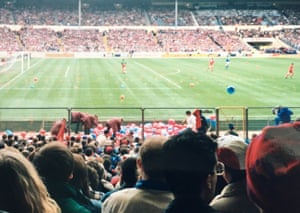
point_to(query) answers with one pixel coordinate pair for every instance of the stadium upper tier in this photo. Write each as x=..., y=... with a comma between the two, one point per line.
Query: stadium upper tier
x=128, y=40
x=138, y=30
x=150, y=17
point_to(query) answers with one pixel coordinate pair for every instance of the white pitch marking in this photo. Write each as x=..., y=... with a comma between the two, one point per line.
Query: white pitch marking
x=163, y=77
x=67, y=71
x=17, y=76
x=174, y=73
x=99, y=88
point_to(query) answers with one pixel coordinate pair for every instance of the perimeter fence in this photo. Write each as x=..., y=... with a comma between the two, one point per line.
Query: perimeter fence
x=247, y=120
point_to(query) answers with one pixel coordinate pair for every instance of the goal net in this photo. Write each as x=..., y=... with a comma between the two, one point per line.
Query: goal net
x=235, y=115
x=12, y=65
x=15, y=62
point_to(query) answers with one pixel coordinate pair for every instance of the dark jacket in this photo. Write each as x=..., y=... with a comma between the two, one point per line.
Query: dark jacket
x=69, y=199
x=284, y=114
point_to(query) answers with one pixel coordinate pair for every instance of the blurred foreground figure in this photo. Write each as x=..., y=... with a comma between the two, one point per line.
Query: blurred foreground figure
x=22, y=190
x=151, y=194
x=273, y=169
x=233, y=198
x=55, y=164
x=191, y=170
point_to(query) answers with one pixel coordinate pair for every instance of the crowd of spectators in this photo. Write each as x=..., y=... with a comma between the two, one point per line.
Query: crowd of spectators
x=38, y=40
x=9, y=40
x=126, y=39
x=230, y=42
x=206, y=18
x=292, y=16
x=137, y=40
x=163, y=17
x=119, y=40
x=104, y=172
x=187, y=40
x=141, y=17
x=291, y=37
x=88, y=40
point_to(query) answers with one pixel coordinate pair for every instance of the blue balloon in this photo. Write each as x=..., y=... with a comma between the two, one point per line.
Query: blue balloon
x=230, y=89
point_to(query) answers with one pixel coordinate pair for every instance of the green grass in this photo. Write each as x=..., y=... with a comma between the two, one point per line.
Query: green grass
x=148, y=83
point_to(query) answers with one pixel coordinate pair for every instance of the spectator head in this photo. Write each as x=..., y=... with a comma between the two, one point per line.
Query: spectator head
x=231, y=126
x=89, y=151
x=93, y=177
x=98, y=167
x=232, y=153
x=190, y=165
x=129, y=175
x=107, y=163
x=150, y=158
x=108, y=150
x=22, y=190
x=80, y=174
x=273, y=168
x=124, y=149
x=55, y=162
x=197, y=112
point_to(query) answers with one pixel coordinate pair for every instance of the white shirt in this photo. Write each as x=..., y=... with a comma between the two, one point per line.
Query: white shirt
x=133, y=200
x=191, y=122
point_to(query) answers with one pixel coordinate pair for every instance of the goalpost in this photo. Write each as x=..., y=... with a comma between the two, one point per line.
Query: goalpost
x=18, y=61
x=236, y=115
x=25, y=58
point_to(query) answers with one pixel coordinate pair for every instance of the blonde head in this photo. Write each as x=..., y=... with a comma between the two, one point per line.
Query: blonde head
x=22, y=190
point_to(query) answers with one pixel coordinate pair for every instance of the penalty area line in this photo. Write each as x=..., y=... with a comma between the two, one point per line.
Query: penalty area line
x=17, y=76
x=67, y=71
x=99, y=88
x=161, y=76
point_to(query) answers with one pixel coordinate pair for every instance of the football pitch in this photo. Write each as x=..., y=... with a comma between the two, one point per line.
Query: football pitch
x=100, y=87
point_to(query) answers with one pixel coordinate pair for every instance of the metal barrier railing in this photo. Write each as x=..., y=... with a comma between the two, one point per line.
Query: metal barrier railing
x=35, y=118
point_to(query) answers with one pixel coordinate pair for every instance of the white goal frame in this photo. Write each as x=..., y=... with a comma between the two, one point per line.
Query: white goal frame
x=237, y=115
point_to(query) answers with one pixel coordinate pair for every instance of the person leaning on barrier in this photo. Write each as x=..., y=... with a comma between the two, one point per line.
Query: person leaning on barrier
x=201, y=122
x=283, y=115
x=115, y=125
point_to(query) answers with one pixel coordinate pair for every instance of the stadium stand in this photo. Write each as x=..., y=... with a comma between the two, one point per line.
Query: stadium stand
x=216, y=29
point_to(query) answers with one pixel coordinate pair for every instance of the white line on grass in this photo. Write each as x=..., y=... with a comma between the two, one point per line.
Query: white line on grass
x=163, y=77
x=174, y=73
x=17, y=76
x=72, y=88
x=67, y=71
